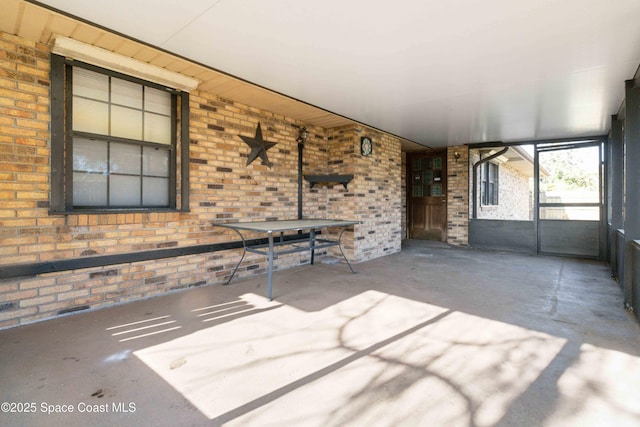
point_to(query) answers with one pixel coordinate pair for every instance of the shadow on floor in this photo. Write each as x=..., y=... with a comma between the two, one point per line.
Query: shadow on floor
x=434, y=335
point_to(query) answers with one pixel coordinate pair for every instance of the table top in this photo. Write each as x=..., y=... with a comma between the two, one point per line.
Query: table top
x=289, y=225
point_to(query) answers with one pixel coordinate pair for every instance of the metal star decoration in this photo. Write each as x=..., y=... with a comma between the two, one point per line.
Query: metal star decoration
x=259, y=147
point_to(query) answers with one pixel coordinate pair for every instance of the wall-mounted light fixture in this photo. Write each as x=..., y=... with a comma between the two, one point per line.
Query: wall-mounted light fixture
x=456, y=155
x=302, y=136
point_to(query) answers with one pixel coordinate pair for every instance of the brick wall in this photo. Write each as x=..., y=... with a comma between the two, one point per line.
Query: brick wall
x=222, y=189
x=24, y=151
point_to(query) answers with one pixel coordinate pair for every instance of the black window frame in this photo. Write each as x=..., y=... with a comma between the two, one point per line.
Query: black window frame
x=62, y=141
x=490, y=184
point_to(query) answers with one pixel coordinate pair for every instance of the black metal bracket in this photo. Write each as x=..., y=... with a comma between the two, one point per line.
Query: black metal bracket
x=340, y=179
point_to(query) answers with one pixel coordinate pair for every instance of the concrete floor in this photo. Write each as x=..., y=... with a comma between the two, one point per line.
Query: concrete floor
x=432, y=336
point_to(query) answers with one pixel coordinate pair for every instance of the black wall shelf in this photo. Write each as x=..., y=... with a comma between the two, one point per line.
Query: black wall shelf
x=340, y=179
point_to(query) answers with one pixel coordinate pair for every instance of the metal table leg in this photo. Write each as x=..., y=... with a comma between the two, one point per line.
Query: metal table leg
x=270, y=269
x=312, y=244
x=244, y=252
x=342, y=252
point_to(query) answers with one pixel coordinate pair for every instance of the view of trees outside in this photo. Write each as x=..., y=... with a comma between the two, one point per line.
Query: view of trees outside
x=573, y=177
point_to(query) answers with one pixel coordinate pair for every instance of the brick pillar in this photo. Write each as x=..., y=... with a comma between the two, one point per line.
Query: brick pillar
x=458, y=195
x=374, y=194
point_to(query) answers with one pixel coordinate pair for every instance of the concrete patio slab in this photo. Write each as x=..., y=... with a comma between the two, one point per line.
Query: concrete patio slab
x=434, y=335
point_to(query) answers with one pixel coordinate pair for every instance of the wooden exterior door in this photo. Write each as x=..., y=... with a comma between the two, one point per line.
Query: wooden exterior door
x=427, y=196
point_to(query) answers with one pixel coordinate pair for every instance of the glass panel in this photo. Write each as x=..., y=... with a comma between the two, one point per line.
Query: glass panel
x=157, y=128
x=428, y=176
x=124, y=190
x=417, y=164
x=89, y=189
x=436, y=190
x=569, y=176
x=155, y=162
x=575, y=213
x=126, y=123
x=427, y=164
x=417, y=191
x=504, y=185
x=155, y=191
x=437, y=163
x=89, y=156
x=126, y=93
x=90, y=116
x=90, y=84
x=125, y=158
x=157, y=101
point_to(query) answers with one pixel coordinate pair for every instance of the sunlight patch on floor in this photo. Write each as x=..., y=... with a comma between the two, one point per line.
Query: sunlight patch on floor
x=587, y=387
x=371, y=356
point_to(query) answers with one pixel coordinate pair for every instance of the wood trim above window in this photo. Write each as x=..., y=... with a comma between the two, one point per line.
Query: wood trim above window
x=74, y=49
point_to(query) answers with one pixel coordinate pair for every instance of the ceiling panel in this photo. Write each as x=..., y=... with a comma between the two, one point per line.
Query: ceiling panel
x=11, y=9
x=86, y=33
x=438, y=73
x=129, y=48
x=109, y=41
x=60, y=25
x=33, y=21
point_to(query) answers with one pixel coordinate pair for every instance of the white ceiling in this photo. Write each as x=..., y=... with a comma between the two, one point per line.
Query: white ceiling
x=435, y=72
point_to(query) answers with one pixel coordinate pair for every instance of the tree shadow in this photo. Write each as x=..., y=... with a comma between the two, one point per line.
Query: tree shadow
x=561, y=303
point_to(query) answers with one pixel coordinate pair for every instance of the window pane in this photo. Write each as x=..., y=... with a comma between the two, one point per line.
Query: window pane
x=157, y=101
x=124, y=190
x=126, y=123
x=155, y=162
x=90, y=116
x=90, y=84
x=155, y=191
x=570, y=176
x=89, y=156
x=89, y=189
x=573, y=213
x=437, y=163
x=108, y=172
x=125, y=158
x=492, y=172
x=157, y=128
x=126, y=93
x=504, y=184
x=485, y=192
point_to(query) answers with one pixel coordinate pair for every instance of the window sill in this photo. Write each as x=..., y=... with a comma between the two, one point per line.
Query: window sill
x=118, y=211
